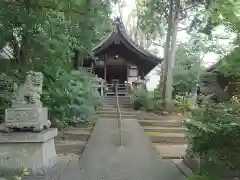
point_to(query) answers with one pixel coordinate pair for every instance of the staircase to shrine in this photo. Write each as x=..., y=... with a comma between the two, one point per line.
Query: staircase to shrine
x=109, y=108
x=166, y=132
x=121, y=90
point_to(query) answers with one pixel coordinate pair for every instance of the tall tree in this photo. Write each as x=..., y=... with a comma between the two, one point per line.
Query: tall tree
x=187, y=69
x=54, y=27
x=165, y=18
x=44, y=35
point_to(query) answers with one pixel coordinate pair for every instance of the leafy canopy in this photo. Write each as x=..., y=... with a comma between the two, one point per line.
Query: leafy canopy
x=44, y=36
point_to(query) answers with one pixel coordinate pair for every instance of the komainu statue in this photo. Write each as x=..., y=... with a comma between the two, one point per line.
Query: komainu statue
x=27, y=111
x=30, y=92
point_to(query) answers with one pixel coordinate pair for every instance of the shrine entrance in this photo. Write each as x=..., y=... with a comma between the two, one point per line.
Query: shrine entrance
x=116, y=73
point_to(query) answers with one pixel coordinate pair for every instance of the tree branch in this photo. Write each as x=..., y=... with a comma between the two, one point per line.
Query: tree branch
x=187, y=8
x=156, y=44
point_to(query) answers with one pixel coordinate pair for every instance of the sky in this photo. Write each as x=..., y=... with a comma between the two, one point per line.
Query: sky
x=209, y=58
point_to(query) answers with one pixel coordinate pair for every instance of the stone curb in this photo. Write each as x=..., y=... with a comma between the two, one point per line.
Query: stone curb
x=182, y=167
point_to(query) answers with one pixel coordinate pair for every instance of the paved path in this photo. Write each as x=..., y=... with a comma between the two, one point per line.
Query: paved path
x=103, y=159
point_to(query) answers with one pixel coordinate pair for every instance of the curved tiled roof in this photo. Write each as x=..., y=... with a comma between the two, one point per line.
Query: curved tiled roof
x=119, y=35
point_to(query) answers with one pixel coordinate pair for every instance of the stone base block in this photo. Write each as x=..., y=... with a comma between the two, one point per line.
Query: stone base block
x=35, y=151
x=35, y=119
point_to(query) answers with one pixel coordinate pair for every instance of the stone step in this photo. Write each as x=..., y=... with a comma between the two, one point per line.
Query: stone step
x=126, y=116
x=107, y=97
x=164, y=129
x=142, y=116
x=114, y=98
x=119, y=93
x=64, y=147
x=161, y=123
x=120, y=98
x=123, y=112
x=115, y=109
x=171, y=151
x=115, y=103
x=75, y=135
x=167, y=138
x=114, y=106
x=87, y=127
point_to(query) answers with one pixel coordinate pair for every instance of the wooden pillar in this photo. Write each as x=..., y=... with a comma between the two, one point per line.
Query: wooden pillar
x=142, y=75
x=105, y=67
x=128, y=69
x=139, y=70
x=92, y=67
x=102, y=84
x=105, y=73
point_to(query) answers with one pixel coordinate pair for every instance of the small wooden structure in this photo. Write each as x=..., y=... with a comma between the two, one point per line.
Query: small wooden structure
x=118, y=59
x=221, y=84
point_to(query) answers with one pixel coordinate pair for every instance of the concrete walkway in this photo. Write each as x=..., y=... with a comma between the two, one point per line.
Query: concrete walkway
x=103, y=159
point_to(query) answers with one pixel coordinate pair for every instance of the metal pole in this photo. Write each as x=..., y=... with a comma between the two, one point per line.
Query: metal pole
x=119, y=116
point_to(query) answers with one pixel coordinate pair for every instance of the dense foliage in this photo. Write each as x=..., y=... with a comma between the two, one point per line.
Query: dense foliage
x=186, y=72
x=214, y=133
x=44, y=36
x=230, y=64
x=71, y=98
x=214, y=128
x=183, y=104
x=147, y=101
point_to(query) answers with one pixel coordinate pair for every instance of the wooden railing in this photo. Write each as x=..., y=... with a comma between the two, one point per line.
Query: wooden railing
x=122, y=89
x=120, y=121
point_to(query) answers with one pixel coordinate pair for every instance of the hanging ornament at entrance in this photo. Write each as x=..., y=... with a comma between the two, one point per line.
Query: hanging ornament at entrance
x=116, y=56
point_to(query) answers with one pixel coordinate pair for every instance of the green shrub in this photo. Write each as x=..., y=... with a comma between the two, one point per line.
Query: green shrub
x=182, y=103
x=147, y=101
x=141, y=99
x=214, y=133
x=71, y=97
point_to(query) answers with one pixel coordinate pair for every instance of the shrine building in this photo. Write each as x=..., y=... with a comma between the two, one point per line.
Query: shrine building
x=118, y=59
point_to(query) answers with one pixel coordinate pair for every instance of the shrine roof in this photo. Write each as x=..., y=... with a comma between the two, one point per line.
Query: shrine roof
x=120, y=36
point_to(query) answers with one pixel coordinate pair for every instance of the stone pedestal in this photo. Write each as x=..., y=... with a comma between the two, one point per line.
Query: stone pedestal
x=35, y=151
x=27, y=117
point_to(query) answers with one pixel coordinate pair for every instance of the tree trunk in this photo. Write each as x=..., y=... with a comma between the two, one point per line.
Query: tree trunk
x=169, y=81
x=23, y=52
x=171, y=59
x=164, y=65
